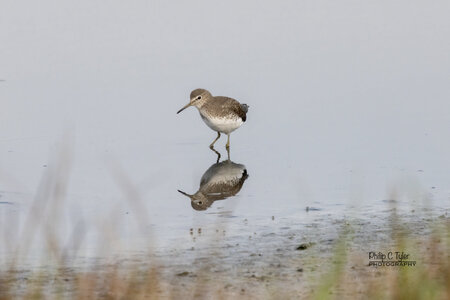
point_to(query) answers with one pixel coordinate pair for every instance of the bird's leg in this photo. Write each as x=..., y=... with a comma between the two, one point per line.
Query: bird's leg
x=228, y=142
x=218, y=155
x=228, y=152
x=212, y=144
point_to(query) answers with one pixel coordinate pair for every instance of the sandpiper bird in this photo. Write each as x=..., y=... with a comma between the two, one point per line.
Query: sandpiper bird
x=221, y=114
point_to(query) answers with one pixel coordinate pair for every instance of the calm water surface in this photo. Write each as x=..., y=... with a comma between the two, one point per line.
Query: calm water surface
x=123, y=177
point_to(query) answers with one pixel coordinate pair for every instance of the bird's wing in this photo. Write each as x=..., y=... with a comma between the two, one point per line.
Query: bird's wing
x=235, y=106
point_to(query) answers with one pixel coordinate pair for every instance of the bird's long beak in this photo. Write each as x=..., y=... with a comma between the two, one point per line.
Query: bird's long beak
x=186, y=106
x=186, y=194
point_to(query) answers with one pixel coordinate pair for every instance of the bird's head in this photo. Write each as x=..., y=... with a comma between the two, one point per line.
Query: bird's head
x=197, y=99
x=198, y=200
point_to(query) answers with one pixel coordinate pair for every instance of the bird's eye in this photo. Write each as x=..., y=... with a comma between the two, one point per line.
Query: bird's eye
x=200, y=203
x=199, y=97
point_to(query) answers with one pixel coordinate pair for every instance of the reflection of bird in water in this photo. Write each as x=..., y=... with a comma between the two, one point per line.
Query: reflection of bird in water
x=220, y=181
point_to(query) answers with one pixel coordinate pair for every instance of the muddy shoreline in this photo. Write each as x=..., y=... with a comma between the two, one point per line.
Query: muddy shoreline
x=289, y=261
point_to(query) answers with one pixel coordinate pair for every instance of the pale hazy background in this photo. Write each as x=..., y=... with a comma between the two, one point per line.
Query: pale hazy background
x=348, y=99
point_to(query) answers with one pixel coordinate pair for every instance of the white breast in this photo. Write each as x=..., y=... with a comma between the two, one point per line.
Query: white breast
x=223, y=125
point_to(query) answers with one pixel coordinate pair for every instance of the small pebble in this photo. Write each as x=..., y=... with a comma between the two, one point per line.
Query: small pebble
x=303, y=246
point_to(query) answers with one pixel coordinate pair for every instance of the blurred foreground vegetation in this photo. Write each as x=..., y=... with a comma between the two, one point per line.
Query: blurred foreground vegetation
x=341, y=272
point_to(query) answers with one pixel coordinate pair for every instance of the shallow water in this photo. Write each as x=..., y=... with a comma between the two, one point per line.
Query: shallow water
x=335, y=125
x=123, y=191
